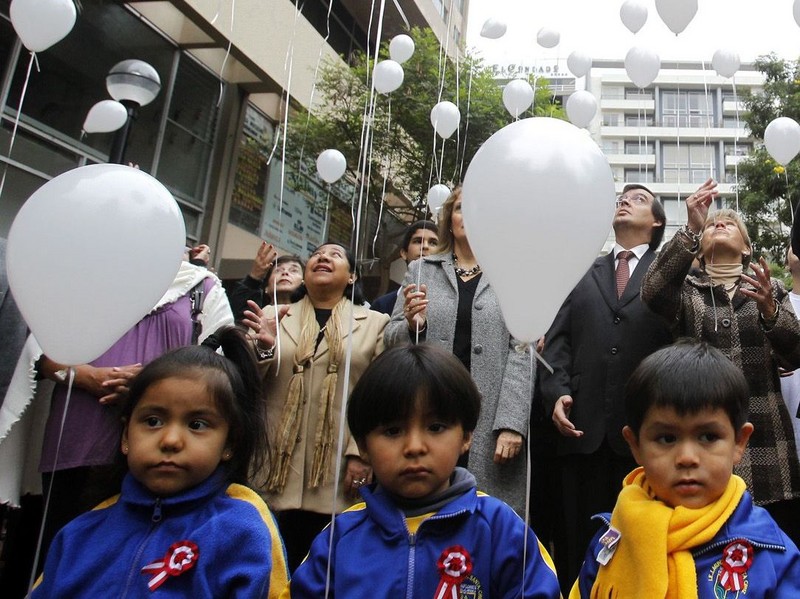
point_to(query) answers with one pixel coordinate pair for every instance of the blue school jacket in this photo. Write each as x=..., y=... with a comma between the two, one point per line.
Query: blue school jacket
x=214, y=540
x=374, y=555
x=774, y=571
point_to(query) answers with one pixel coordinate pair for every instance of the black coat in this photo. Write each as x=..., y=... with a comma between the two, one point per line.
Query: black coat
x=595, y=343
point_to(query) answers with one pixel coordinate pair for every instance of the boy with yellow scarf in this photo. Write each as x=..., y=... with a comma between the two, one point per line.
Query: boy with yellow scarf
x=684, y=525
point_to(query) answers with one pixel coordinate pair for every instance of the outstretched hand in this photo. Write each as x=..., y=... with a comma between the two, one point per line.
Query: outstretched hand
x=763, y=288
x=263, y=322
x=698, y=203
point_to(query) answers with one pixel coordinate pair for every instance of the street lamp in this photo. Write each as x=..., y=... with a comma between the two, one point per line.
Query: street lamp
x=133, y=83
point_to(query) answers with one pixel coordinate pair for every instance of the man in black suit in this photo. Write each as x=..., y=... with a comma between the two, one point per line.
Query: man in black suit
x=597, y=339
x=419, y=240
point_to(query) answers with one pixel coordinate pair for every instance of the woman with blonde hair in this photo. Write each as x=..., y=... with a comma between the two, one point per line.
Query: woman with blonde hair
x=454, y=306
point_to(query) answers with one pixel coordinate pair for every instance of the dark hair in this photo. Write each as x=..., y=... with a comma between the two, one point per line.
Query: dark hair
x=659, y=214
x=352, y=291
x=428, y=225
x=687, y=376
x=401, y=378
x=232, y=380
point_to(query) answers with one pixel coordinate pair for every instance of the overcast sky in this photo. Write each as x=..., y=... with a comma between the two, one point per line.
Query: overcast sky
x=749, y=27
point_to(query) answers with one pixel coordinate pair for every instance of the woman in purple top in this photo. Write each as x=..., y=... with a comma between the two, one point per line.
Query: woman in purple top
x=78, y=451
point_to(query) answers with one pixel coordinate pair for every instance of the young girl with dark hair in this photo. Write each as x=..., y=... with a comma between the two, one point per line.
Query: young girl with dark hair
x=184, y=521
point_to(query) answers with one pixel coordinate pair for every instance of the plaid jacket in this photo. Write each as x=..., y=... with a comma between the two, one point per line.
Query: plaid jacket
x=694, y=308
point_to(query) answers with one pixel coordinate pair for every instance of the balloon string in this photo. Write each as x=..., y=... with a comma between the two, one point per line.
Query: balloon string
x=349, y=352
x=386, y=170
x=227, y=54
x=17, y=117
x=788, y=195
x=736, y=144
x=314, y=80
x=531, y=380
x=466, y=124
x=542, y=360
x=70, y=381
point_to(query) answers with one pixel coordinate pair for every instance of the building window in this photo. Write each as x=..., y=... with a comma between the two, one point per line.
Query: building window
x=610, y=92
x=611, y=147
x=634, y=93
x=688, y=163
x=742, y=149
x=345, y=35
x=687, y=109
x=731, y=122
x=638, y=120
x=639, y=175
x=639, y=148
x=611, y=119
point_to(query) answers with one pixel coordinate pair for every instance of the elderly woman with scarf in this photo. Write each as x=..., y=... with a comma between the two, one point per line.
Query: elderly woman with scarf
x=751, y=320
x=303, y=364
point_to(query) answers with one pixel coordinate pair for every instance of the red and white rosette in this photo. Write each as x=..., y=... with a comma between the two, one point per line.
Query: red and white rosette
x=736, y=560
x=454, y=564
x=180, y=557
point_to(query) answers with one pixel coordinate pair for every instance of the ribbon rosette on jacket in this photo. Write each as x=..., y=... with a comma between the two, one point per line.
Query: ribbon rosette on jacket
x=454, y=565
x=736, y=560
x=180, y=557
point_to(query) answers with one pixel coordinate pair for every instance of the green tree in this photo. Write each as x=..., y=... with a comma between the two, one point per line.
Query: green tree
x=402, y=140
x=767, y=190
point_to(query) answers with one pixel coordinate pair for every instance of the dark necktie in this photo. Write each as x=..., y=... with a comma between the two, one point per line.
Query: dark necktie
x=623, y=271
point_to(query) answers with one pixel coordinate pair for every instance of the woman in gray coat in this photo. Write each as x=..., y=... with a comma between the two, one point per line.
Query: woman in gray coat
x=454, y=306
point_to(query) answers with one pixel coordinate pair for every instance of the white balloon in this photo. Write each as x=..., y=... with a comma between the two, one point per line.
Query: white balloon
x=581, y=108
x=633, y=15
x=493, y=29
x=782, y=139
x=331, y=165
x=725, y=62
x=676, y=14
x=535, y=185
x=642, y=66
x=548, y=38
x=445, y=118
x=579, y=63
x=796, y=11
x=401, y=48
x=107, y=239
x=105, y=116
x=42, y=23
x=437, y=196
x=517, y=96
x=387, y=76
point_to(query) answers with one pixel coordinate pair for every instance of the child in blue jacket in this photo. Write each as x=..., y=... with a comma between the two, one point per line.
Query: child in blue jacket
x=183, y=525
x=423, y=529
x=684, y=525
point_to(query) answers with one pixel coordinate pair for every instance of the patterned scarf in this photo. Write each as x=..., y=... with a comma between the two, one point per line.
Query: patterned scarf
x=653, y=557
x=291, y=417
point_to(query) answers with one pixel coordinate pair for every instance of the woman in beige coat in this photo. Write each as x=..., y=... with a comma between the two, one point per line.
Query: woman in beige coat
x=303, y=366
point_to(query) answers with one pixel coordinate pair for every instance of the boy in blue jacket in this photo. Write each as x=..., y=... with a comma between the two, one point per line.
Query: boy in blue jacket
x=423, y=529
x=684, y=525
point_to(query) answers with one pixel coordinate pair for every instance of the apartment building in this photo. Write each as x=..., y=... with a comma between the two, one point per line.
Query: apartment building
x=671, y=136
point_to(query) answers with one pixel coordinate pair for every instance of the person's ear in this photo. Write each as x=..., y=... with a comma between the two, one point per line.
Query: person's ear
x=467, y=442
x=123, y=444
x=741, y=441
x=633, y=442
x=404, y=255
x=227, y=454
x=362, y=451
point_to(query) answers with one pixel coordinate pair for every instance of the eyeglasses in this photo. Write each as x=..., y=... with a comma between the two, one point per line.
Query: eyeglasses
x=637, y=198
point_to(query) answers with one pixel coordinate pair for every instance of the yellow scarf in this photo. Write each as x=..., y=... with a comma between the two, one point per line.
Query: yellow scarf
x=653, y=556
